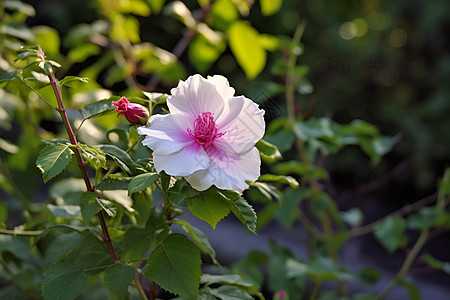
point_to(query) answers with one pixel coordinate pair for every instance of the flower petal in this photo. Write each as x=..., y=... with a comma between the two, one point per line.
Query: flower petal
x=195, y=96
x=222, y=86
x=184, y=162
x=164, y=136
x=243, y=125
x=226, y=171
x=201, y=180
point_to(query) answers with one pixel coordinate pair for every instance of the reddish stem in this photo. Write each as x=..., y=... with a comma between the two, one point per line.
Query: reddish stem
x=81, y=164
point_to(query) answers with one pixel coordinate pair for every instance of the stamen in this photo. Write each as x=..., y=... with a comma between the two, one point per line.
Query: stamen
x=205, y=129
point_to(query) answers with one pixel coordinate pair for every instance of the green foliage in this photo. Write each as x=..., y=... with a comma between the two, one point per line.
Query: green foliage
x=63, y=282
x=390, y=232
x=117, y=279
x=175, y=265
x=53, y=159
x=211, y=206
x=63, y=242
x=141, y=182
x=245, y=42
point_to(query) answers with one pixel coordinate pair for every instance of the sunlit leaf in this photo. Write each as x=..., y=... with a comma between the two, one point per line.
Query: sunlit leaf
x=246, y=47
x=141, y=182
x=53, y=159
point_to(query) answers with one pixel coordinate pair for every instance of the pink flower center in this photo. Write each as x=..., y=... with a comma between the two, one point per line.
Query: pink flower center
x=205, y=129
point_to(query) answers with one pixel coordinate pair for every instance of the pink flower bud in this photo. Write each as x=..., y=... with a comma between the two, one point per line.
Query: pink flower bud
x=281, y=295
x=134, y=113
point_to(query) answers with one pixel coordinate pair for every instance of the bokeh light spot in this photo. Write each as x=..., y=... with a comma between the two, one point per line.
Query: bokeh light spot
x=348, y=30
x=398, y=37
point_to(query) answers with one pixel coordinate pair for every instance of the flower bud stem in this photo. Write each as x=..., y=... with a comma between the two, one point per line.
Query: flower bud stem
x=81, y=164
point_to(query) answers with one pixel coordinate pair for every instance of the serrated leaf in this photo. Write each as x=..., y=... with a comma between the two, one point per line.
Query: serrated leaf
x=121, y=157
x=210, y=206
x=63, y=282
x=141, y=182
x=53, y=159
x=118, y=278
x=93, y=155
x=89, y=206
x=246, y=46
x=136, y=242
x=175, y=266
x=110, y=183
x=97, y=108
x=245, y=213
x=64, y=211
x=390, y=232
x=279, y=178
x=199, y=239
x=69, y=79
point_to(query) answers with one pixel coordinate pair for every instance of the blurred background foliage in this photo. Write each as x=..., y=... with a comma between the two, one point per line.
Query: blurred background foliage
x=386, y=63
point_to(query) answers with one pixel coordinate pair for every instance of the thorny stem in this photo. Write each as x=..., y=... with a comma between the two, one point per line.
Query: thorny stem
x=81, y=164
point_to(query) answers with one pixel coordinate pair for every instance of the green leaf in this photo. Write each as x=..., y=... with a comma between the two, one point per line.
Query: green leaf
x=98, y=108
x=175, y=266
x=369, y=276
x=269, y=7
x=199, y=239
x=108, y=207
x=287, y=213
x=141, y=182
x=64, y=211
x=246, y=46
x=279, y=178
x=89, y=206
x=268, y=152
x=69, y=79
x=93, y=155
x=118, y=278
x=245, y=213
x=110, y=183
x=6, y=77
x=136, y=242
x=426, y=218
x=210, y=206
x=121, y=157
x=63, y=282
x=228, y=279
x=53, y=159
x=413, y=289
x=156, y=226
x=205, y=49
x=437, y=264
x=268, y=191
x=228, y=293
x=353, y=216
x=390, y=232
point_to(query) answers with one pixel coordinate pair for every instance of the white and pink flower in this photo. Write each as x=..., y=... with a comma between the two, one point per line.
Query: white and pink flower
x=209, y=136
